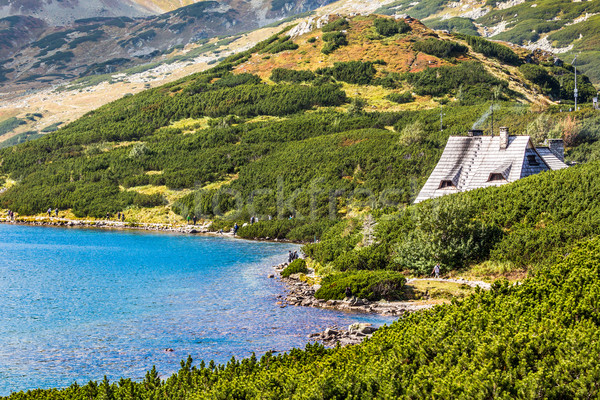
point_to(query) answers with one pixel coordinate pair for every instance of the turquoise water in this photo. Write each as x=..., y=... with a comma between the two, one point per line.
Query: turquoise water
x=78, y=304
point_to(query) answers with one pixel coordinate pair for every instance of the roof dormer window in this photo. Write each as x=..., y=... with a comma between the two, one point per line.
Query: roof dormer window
x=494, y=177
x=532, y=160
x=446, y=184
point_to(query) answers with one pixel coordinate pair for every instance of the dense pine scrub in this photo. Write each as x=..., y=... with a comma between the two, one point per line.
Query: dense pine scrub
x=536, y=339
x=527, y=223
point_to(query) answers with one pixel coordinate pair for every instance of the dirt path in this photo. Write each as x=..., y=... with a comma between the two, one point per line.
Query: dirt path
x=460, y=281
x=300, y=293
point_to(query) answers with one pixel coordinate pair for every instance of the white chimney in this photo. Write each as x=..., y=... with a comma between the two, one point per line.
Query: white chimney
x=503, y=138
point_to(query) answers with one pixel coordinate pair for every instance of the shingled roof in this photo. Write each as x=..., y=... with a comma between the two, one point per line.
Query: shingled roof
x=476, y=161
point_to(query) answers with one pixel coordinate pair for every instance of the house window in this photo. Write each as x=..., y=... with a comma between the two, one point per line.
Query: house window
x=531, y=160
x=496, y=177
x=445, y=184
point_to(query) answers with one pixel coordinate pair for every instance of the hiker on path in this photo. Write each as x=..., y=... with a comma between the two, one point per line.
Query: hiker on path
x=56, y=212
x=436, y=270
x=194, y=218
x=49, y=212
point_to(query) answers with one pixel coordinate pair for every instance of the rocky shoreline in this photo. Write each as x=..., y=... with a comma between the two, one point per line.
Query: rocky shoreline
x=354, y=334
x=108, y=224
x=300, y=293
x=141, y=226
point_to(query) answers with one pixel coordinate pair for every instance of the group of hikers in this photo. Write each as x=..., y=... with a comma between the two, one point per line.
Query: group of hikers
x=50, y=212
x=11, y=215
x=192, y=218
x=293, y=256
x=120, y=216
x=255, y=219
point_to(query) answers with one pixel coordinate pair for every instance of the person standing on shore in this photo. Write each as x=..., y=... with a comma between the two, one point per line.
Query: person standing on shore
x=49, y=212
x=56, y=212
x=195, y=219
x=436, y=270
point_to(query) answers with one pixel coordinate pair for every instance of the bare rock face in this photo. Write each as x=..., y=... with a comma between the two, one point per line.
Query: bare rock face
x=355, y=334
x=65, y=12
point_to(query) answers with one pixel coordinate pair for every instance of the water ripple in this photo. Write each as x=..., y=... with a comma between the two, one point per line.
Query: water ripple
x=78, y=304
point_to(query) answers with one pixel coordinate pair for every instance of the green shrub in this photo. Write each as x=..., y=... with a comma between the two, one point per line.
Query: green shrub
x=337, y=25
x=389, y=27
x=446, y=234
x=10, y=124
x=413, y=133
x=290, y=75
x=456, y=25
x=491, y=49
x=439, y=48
x=296, y=267
x=357, y=72
x=400, y=98
x=368, y=258
x=52, y=128
x=333, y=41
x=540, y=76
x=470, y=77
x=370, y=285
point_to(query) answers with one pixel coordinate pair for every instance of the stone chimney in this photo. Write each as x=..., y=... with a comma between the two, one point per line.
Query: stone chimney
x=557, y=148
x=503, y=138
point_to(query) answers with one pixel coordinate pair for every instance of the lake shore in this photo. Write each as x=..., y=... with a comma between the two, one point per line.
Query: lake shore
x=203, y=229
x=302, y=294
x=189, y=229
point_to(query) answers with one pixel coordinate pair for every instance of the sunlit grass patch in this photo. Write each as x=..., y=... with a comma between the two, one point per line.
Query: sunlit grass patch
x=191, y=124
x=436, y=290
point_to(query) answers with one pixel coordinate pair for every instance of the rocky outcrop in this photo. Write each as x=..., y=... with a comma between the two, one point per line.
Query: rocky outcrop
x=354, y=334
x=301, y=294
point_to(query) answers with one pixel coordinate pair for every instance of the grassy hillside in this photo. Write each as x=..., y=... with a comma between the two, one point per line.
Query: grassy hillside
x=278, y=142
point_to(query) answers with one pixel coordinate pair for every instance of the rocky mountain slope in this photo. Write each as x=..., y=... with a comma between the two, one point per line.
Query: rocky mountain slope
x=65, y=12
x=563, y=27
x=36, y=54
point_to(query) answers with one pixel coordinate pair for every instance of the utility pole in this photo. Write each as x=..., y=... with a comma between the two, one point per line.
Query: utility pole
x=492, y=117
x=575, y=90
x=441, y=117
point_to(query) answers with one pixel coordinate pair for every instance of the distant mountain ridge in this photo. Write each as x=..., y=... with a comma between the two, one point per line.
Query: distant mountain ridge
x=65, y=12
x=35, y=54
